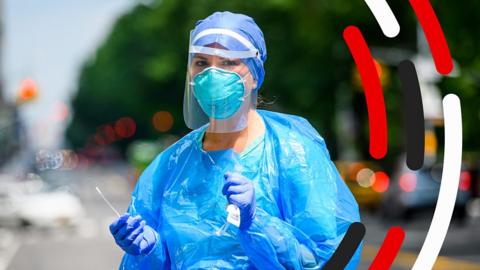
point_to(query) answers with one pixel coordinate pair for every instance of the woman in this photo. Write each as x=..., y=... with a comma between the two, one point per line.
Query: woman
x=274, y=169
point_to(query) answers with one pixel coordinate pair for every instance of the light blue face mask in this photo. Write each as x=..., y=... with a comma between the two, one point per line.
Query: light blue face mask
x=219, y=92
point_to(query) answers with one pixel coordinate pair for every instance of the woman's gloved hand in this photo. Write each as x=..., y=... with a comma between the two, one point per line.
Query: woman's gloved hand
x=240, y=192
x=133, y=235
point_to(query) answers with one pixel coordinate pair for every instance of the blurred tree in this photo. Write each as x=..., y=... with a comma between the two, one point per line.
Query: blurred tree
x=460, y=24
x=140, y=69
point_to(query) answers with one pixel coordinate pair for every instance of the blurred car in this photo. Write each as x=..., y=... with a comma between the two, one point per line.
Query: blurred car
x=475, y=175
x=31, y=202
x=366, y=180
x=412, y=192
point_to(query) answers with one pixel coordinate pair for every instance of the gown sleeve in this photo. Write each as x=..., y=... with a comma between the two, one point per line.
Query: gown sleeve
x=145, y=204
x=316, y=206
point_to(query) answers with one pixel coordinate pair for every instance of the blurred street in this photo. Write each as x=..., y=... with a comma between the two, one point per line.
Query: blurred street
x=461, y=249
x=90, y=246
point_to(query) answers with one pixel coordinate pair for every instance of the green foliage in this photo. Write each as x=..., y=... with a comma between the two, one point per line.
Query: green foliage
x=460, y=24
x=140, y=69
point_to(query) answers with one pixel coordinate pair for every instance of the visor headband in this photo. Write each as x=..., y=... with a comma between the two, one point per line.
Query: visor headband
x=230, y=33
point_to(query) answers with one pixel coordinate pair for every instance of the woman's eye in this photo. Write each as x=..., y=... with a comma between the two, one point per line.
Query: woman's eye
x=201, y=63
x=230, y=63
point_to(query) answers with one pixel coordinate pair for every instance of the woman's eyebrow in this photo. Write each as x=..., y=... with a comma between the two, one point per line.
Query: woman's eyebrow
x=199, y=56
x=229, y=59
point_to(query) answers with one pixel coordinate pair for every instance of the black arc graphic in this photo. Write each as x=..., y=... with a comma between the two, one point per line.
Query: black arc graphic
x=413, y=115
x=347, y=247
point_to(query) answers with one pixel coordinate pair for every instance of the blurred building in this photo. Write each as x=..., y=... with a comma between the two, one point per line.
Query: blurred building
x=1, y=53
x=9, y=124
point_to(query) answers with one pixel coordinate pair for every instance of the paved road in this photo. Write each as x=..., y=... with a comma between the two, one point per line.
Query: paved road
x=461, y=249
x=91, y=247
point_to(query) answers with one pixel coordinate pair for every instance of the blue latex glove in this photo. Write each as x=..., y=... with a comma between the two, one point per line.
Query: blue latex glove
x=240, y=192
x=133, y=235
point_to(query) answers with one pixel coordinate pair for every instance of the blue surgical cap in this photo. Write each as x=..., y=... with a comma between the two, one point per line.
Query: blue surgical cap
x=242, y=25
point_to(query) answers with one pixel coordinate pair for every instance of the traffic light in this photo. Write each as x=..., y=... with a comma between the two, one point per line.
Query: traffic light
x=28, y=90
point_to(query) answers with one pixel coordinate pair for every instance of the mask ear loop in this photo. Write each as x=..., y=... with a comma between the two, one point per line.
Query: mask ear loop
x=248, y=90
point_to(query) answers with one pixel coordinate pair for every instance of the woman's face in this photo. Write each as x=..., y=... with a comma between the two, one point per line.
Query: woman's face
x=203, y=61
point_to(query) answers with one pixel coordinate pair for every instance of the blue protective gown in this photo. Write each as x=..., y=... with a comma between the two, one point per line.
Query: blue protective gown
x=303, y=206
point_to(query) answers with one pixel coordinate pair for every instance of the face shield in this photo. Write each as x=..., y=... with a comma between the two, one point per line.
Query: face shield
x=219, y=86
